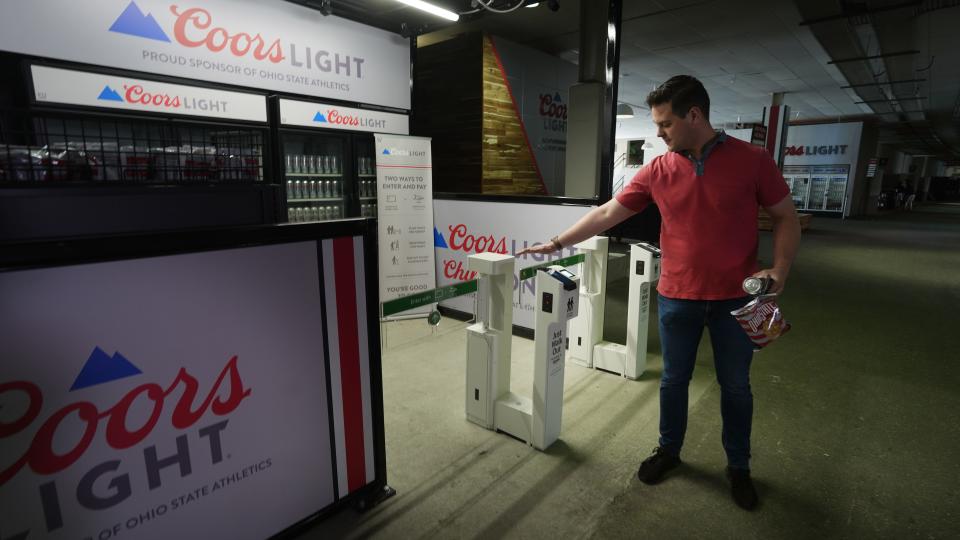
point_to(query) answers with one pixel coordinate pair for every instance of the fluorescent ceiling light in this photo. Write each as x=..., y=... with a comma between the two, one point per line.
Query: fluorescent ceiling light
x=535, y=4
x=624, y=111
x=432, y=9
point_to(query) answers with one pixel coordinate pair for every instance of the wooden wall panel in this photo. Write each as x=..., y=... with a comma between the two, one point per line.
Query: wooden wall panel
x=508, y=164
x=461, y=100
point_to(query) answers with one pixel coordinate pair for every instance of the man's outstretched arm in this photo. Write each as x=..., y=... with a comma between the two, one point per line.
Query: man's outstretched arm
x=596, y=221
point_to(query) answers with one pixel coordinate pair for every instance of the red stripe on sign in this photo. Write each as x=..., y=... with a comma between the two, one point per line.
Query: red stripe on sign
x=774, y=119
x=345, y=279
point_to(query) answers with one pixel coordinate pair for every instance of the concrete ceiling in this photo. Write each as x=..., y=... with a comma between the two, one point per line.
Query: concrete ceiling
x=746, y=50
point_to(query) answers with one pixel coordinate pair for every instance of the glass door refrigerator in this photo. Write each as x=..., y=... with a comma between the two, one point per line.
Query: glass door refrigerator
x=79, y=156
x=798, y=180
x=819, y=180
x=328, y=160
x=315, y=184
x=837, y=190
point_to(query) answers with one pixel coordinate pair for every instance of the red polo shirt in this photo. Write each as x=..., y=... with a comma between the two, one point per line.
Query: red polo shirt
x=709, y=208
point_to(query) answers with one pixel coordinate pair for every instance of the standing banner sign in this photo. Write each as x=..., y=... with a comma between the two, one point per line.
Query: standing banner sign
x=405, y=216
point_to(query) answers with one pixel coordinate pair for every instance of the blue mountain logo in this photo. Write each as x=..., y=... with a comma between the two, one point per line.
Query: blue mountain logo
x=109, y=94
x=101, y=368
x=319, y=117
x=134, y=23
x=438, y=240
x=386, y=151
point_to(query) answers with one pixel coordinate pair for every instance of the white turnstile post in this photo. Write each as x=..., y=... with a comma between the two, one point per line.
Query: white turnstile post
x=489, y=401
x=586, y=331
x=630, y=359
x=488, y=340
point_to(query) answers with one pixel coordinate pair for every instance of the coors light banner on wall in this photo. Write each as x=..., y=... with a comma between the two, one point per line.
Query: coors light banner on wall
x=181, y=396
x=53, y=85
x=328, y=116
x=465, y=228
x=268, y=44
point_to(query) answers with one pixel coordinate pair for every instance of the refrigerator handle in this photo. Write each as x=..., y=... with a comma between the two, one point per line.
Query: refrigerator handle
x=275, y=170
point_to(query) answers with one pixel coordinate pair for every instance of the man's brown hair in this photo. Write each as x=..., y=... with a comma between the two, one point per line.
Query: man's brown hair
x=682, y=92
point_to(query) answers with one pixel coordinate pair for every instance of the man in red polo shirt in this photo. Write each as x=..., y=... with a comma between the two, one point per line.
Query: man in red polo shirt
x=708, y=188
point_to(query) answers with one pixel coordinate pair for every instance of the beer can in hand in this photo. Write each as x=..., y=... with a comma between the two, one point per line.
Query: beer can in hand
x=757, y=286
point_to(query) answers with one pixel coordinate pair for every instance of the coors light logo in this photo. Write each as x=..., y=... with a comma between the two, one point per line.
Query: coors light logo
x=197, y=28
x=55, y=442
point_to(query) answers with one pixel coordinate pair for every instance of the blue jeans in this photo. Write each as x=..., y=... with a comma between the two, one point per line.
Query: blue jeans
x=681, y=327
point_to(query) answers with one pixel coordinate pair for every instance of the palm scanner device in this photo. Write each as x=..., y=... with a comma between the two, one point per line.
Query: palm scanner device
x=489, y=401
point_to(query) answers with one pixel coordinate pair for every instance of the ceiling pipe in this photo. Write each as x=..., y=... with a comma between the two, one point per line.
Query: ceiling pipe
x=883, y=83
x=861, y=12
x=875, y=56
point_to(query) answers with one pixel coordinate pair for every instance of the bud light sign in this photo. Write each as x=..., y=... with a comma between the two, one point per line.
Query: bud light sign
x=138, y=401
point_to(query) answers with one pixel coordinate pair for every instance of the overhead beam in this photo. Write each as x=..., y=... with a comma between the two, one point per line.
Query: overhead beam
x=888, y=100
x=904, y=81
x=872, y=57
x=861, y=12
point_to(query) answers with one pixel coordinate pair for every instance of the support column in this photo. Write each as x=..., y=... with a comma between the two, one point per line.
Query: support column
x=776, y=119
x=592, y=103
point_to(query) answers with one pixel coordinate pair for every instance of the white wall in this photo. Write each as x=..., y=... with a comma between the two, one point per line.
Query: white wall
x=742, y=134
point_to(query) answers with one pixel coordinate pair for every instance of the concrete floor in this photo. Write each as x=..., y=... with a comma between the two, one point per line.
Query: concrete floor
x=855, y=422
